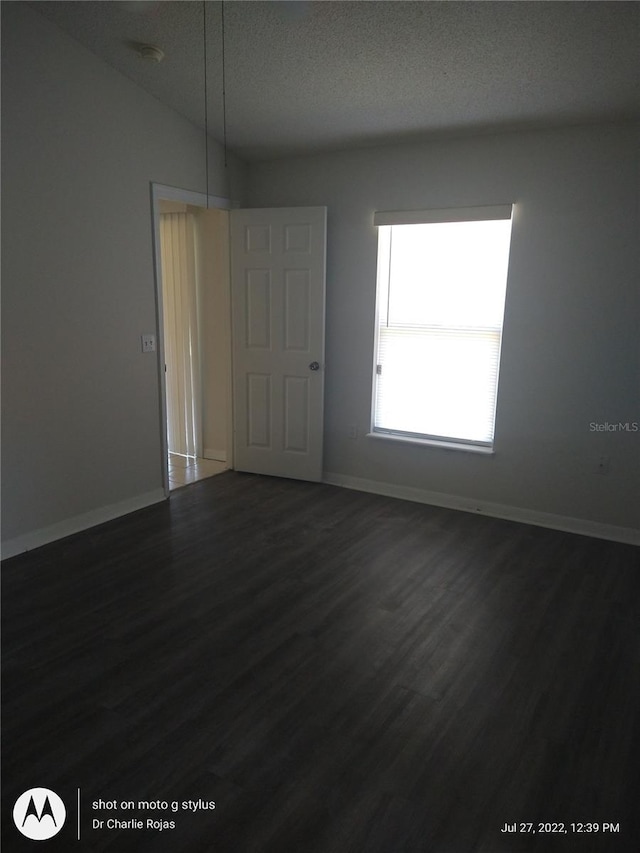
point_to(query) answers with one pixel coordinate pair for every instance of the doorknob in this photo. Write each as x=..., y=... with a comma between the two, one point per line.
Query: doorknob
x=314, y=366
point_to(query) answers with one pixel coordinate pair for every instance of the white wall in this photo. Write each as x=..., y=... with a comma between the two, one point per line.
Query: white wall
x=570, y=346
x=81, y=144
x=80, y=405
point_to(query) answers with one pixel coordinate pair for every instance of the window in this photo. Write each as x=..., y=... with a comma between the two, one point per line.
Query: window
x=442, y=278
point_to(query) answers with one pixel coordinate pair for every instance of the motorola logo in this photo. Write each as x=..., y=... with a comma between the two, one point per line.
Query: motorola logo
x=39, y=814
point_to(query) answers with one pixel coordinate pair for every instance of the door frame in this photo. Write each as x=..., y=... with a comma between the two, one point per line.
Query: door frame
x=167, y=193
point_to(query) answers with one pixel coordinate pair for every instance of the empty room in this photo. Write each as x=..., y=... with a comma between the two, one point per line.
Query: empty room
x=321, y=426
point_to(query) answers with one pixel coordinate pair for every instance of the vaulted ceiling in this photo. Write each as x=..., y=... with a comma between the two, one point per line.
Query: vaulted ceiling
x=303, y=76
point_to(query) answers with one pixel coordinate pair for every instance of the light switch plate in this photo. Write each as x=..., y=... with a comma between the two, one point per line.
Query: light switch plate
x=148, y=343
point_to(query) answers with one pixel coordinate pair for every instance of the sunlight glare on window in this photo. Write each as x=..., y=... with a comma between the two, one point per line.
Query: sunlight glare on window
x=441, y=290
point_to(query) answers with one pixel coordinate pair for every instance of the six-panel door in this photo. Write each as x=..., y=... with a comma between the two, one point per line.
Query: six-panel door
x=278, y=259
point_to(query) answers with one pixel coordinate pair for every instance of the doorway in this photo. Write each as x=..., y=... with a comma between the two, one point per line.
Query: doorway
x=193, y=293
x=275, y=370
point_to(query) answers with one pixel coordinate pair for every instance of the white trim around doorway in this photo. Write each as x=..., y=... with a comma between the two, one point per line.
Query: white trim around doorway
x=168, y=193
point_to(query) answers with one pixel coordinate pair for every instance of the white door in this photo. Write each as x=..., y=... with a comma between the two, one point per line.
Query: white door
x=278, y=260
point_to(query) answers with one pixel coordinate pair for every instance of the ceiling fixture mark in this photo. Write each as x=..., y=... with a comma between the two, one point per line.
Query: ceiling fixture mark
x=150, y=52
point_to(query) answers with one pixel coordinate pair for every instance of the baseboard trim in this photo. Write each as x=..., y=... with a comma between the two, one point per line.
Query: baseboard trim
x=216, y=455
x=78, y=523
x=583, y=527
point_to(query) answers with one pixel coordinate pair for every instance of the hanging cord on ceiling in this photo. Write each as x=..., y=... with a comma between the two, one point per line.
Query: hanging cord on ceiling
x=206, y=107
x=224, y=89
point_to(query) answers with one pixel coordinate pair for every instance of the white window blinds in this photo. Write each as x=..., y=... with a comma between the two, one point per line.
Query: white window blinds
x=181, y=332
x=441, y=292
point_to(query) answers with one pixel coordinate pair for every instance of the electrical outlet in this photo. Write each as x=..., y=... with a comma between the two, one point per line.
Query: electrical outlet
x=352, y=430
x=603, y=465
x=148, y=343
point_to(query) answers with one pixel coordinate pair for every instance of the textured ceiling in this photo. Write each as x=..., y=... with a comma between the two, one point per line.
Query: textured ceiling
x=304, y=76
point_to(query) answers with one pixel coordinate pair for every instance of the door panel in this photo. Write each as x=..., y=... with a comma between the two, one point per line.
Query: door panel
x=278, y=259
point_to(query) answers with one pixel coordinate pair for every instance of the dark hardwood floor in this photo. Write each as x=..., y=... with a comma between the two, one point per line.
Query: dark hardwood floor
x=339, y=672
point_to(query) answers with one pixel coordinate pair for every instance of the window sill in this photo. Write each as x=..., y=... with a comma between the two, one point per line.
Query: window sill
x=431, y=442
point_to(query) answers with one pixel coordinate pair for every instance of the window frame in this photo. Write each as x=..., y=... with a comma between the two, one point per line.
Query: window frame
x=432, y=216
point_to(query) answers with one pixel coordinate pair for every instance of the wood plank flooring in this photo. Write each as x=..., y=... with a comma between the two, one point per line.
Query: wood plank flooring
x=339, y=672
